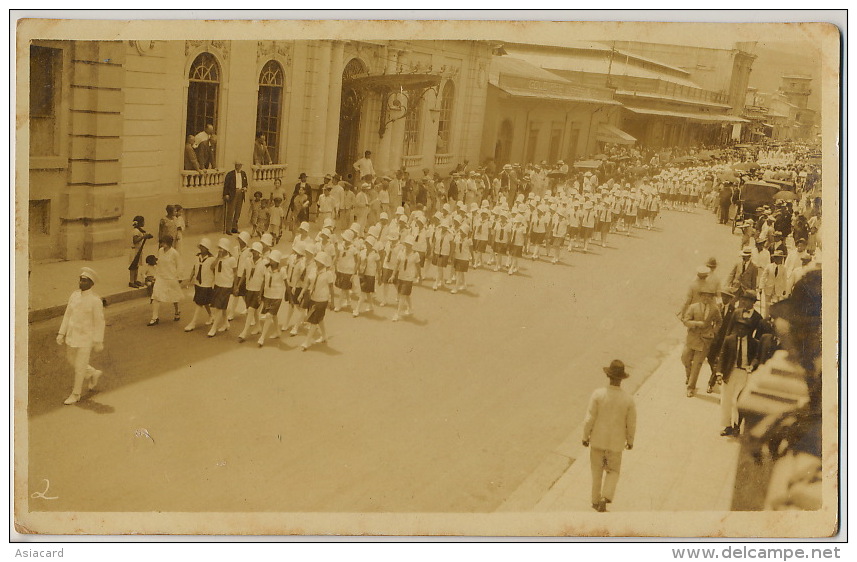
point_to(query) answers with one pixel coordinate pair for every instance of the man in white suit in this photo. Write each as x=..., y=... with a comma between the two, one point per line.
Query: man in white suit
x=82, y=331
x=609, y=427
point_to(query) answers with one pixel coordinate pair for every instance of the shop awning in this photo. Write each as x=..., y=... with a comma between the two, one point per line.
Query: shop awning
x=700, y=117
x=611, y=134
x=554, y=96
x=768, y=125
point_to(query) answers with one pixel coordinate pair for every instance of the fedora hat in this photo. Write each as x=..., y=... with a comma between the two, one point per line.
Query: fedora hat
x=616, y=370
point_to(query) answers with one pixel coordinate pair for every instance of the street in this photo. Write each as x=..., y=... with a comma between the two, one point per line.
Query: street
x=448, y=411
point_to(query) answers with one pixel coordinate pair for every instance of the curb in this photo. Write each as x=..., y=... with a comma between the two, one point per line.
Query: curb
x=42, y=314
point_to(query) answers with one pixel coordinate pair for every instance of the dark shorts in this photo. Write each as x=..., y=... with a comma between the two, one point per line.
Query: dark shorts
x=642, y=213
x=587, y=231
x=442, y=261
x=316, y=312
x=461, y=265
x=574, y=231
x=367, y=283
x=343, y=281
x=630, y=219
x=242, y=287
x=271, y=306
x=557, y=240
x=220, y=298
x=480, y=245
x=422, y=256
x=202, y=295
x=294, y=296
x=537, y=237
x=386, y=275
x=253, y=299
x=517, y=251
x=404, y=287
x=501, y=249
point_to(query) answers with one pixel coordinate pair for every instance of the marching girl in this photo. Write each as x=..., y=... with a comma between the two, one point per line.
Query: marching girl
x=387, y=261
x=368, y=266
x=346, y=268
x=310, y=250
x=239, y=290
x=407, y=268
x=518, y=238
x=558, y=231
x=418, y=232
x=463, y=255
x=587, y=224
x=441, y=248
x=254, y=270
x=224, y=281
x=273, y=291
x=295, y=270
x=539, y=226
x=654, y=209
x=320, y=280
x=429, y=235
x=203, y=283
x=627, y=217
x=618, y=202
x=481, y=234
x=500, y=241
x=604, y=211
x=574, y=224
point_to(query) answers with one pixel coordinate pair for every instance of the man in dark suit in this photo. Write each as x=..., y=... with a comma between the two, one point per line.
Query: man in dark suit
x=728, y=303
x=744, y=276
x=725, y=202
x=235, y=186
x=739, y=357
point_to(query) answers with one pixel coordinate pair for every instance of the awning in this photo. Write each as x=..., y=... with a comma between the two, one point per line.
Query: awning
x=611, y=134
x=768, y=125
x=553, y=96
x=701, y=117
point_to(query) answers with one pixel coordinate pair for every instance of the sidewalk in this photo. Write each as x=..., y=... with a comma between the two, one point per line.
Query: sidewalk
x=679, y=461
x=51, y=283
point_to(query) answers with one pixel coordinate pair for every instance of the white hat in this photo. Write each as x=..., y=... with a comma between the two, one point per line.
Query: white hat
x=329, y=222
x=348, y=235
x=409, y=240
x=89, y=273
x=205, y=243
x=310, y=248
x=703, y=271
x=304, y=226
x=267, y=239
x=223, y=244
x=299, y=248
x=323, y=259
x=275, y=255
x=384, y=216
x=400, y=210
x=257, y=247
x=244, y=236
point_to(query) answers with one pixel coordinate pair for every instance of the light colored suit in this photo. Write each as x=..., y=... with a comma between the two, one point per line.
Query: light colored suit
x=702, y=321
x=610, y=424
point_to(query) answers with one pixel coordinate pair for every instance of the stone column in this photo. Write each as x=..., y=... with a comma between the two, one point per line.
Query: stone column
x=333, y=103
x=384, y=161
x=320, y=109
x=94, y=197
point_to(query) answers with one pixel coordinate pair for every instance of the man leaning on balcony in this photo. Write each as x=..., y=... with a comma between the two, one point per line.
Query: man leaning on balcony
x=204, y=143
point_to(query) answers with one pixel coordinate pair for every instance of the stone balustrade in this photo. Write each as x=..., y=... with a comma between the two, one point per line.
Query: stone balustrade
x=199, y=180
x=411, y=161
x=268, y=173
x=442, y=159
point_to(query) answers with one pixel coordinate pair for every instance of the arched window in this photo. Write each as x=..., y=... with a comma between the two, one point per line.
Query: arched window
x=269, y=107
x=444, y=121
x=412, y=130
x=203, y=93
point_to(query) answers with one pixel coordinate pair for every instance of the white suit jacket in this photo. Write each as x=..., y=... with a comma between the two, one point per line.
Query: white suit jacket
x=611, y=419
x=83, y=321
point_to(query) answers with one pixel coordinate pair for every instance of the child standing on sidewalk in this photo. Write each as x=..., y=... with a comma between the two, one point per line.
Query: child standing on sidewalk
x=138, y=240
x=255, y=213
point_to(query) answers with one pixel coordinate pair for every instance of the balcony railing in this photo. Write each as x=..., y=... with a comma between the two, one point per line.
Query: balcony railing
x=198, y=180
x=442, y=159
x=268, y=173
x=411, y=161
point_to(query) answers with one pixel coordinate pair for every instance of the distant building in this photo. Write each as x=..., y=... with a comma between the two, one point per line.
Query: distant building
x=782, y=115
x=109, y=122
x=662, y=104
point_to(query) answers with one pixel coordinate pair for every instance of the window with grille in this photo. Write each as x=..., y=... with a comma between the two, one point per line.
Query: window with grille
x=444, y=124
x=45, y=65
x=269, y=106
x=202, y=93
x=412, y=130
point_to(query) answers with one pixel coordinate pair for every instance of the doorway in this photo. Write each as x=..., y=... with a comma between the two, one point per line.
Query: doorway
x=347, y=151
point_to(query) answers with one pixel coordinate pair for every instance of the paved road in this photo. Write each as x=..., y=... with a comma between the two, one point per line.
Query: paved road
x=450, y=411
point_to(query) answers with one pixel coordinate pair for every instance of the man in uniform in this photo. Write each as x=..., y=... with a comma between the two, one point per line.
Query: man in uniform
x=82, y=331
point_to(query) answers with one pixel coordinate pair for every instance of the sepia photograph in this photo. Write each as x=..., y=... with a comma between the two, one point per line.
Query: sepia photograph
x=426, y=278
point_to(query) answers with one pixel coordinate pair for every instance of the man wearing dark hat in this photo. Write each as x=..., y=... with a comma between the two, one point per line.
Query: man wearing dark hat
x=302, y=183
x=702, y=320
x=82, y=331
x=609, y=427
x=728, y=302
x=235, y=185
x=739, y=356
